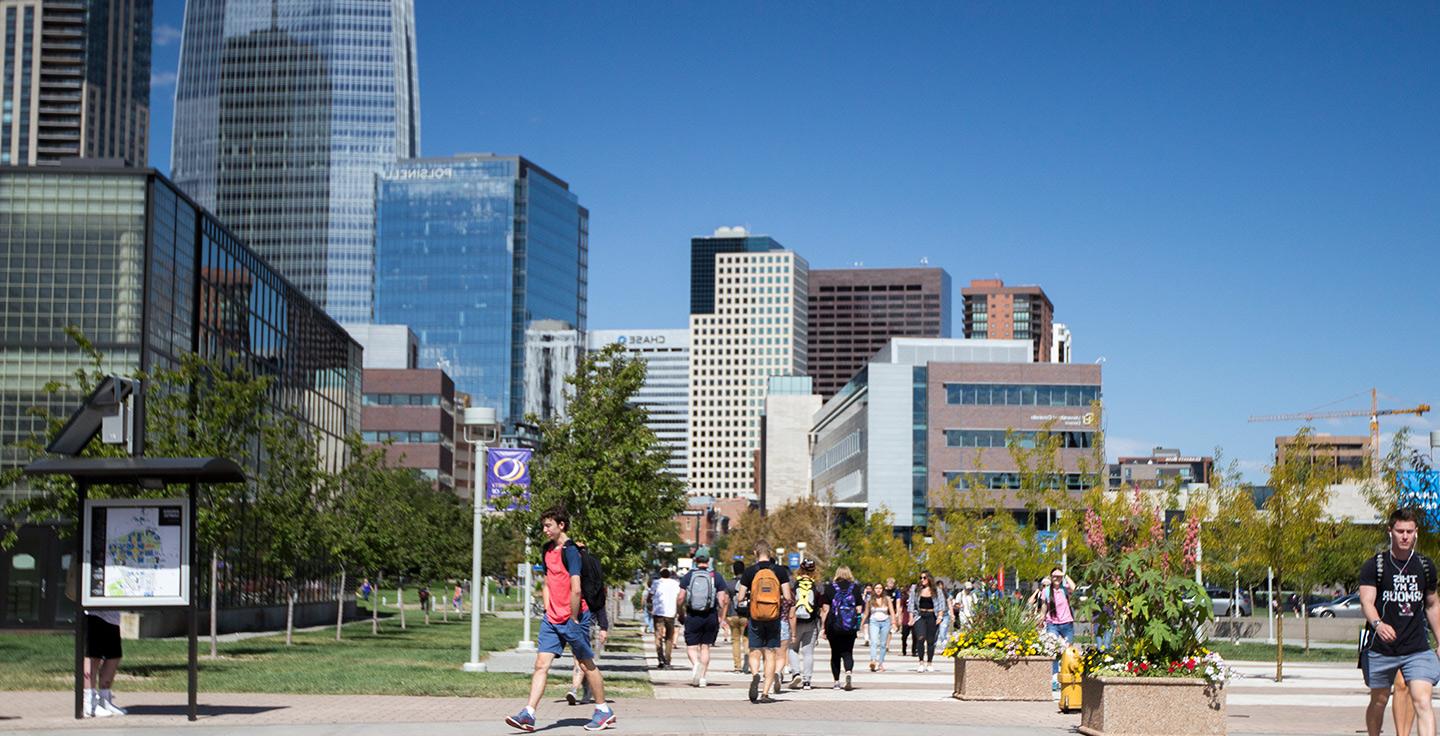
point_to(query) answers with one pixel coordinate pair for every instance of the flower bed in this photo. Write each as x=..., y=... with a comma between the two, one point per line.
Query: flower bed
x=1002, y=655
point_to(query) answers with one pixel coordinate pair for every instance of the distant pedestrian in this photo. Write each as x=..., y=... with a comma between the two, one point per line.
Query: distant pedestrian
x=1397, y=595
x=805, y=619
x=907, y=619
x=739, y=647
x=703, y=595
x=1059, y=619
x=424, y=598
x=764, y=590
x=458, y=600
x=924, y=607
x=878, y=611
x=842, y=610
x=365, y=590
x=564, y=622
x=964, y=606
x=664, y=595
x=942, y=611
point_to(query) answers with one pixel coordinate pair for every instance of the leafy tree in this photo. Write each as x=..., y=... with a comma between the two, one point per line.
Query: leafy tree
x=873, y=551
x=801, y=520
x=287, y=505
x=605, y=466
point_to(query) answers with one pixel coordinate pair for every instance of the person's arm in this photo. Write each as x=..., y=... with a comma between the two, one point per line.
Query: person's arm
x=571, y=557
x=1069, y=584
x=680, y=597
x=1432, y=612
x=1367, y=604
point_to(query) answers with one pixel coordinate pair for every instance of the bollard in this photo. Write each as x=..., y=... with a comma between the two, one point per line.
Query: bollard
x=1071, y=672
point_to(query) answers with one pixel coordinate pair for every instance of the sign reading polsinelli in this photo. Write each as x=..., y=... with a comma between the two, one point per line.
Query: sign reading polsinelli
x=136, y=553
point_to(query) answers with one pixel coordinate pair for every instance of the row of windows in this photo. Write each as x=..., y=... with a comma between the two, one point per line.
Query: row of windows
x=1013, y=481
x=402, y=436
x=1025, y=439
x=999, y=394
x=401, y=399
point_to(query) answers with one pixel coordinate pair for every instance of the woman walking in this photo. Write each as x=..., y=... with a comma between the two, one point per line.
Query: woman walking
x=925, y=605
x=878, y=611
x=843, y=609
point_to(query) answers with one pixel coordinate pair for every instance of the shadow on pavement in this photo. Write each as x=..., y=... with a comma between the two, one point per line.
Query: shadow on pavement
x=202, y=710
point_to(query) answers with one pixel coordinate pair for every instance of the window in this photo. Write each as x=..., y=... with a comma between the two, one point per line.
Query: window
x=995, y=394
x=1025, y=439
x=401, y=399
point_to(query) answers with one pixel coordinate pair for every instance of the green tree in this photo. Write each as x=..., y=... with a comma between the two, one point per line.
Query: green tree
x=605, y=466
x=874, y=552
x=287, y=504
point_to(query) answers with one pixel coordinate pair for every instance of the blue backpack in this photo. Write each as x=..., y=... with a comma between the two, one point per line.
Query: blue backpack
x=843, y=606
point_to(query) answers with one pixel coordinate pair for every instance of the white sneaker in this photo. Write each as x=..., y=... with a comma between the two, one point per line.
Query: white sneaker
x=702, y=683
x=92, y=706
x=694, y=679
x=110, y=707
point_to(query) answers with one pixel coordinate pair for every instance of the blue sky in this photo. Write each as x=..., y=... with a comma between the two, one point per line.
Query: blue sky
x=1236, y=206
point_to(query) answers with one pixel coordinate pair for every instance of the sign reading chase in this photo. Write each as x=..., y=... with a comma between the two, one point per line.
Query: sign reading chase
x=428, y=172
x=641, y=340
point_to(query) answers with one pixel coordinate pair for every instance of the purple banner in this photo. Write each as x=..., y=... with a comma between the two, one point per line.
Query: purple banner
x=505, y=468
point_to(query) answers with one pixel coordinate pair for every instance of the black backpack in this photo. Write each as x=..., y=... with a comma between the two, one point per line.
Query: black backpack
x=592, y=580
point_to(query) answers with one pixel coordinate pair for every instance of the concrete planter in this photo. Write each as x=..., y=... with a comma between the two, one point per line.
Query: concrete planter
x=1151, y=706
x=1026, y=678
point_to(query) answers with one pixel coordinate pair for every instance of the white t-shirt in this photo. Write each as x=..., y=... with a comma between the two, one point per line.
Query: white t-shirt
x=664, y=595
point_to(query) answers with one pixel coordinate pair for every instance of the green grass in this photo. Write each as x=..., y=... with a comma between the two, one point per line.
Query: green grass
x=420, y=660
x=1256, y=652
x=443, y=594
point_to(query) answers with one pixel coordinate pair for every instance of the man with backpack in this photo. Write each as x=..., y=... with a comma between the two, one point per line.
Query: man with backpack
x=566, y=621
x=764, y=590
x=804, y=625
x=593, y=591
x=703, y=596
x=1397, y=594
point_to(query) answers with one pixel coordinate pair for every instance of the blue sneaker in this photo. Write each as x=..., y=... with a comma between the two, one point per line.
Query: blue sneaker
x=523, y=720
x=602, y=720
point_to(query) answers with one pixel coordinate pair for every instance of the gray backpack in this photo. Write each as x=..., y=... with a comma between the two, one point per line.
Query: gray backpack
x=700, y=596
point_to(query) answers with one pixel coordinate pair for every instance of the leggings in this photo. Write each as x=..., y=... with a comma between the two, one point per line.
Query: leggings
x=926, y=630
x=842, y=651
x=905, y=636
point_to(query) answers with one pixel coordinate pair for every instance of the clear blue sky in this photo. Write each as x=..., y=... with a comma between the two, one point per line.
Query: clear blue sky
x=1238, y=207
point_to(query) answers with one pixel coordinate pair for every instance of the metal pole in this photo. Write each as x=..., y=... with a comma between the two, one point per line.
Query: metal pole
x=1270, y=601
x=527, y=644
x=82, y=584
x=192, y=613
x=478, y=539
x=1199, y=559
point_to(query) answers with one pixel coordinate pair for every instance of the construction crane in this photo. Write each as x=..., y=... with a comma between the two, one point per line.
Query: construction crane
x=1375, y=413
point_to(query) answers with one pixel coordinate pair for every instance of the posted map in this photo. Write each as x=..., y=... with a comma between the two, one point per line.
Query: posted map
x=142, y=555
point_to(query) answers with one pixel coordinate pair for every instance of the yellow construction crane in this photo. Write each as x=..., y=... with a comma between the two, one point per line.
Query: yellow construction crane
x=1375, y=413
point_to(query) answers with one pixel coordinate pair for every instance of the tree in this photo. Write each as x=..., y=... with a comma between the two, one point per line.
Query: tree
x=361, y=532
x=801, y=520
x=605, y=466
x=287, y=505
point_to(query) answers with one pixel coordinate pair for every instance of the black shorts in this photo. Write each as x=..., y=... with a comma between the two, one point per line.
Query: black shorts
x=102, y=639
x=765, y=634
x=701, y=628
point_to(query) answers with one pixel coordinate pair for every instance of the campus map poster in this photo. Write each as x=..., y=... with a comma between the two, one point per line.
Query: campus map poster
x=137, y=553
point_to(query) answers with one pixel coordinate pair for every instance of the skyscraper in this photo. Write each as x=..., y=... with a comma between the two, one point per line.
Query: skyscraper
x=855, y=311
x=702, y=261
x=665, y=393
x=76, y=80
x=284, y=114
x=470, y=251
x=757, y=330
x=994, y=311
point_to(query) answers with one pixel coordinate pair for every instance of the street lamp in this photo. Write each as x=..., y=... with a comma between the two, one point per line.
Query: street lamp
x=482, y=428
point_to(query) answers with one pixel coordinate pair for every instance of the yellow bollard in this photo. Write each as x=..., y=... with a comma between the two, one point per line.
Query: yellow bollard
x=1071, y=670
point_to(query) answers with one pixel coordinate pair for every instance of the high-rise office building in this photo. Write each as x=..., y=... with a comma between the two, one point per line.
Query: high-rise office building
x=757, y=330
x=76, y=80
x=703, y=251
x=665, y=394
x=995, y=311
x=552, y=354
x=1061, y=343
x=855, y=311
x=471, y=250
x=284, y=114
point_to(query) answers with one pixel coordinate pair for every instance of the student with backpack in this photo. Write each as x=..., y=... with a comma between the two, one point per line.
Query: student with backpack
x=739, y=649
x=593, y=592
x=804, y=625
x=565, y=623
x=703, y=596
x=764, y=589
x=842, y=608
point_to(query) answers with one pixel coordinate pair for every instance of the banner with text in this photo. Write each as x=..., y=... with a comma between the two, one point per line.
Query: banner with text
x=504, y=468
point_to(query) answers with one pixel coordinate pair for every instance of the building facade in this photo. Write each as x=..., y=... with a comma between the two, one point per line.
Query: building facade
x=757, y=330
x=1060, y=344
x=148, y=276
x=665, y=395
x=469, y=252
x=703, y=251
x=284, y=114
x=855, y=311
x=1162, y=469
x=994, y=311
x=387, y=346
x=790, y=407
x=552, y=354
x=410, y=412
x=1345, y=454
x=74, y=80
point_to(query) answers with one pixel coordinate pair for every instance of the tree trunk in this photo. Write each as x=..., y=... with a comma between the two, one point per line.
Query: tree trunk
x=214, y=604
x=290, y=614
x=425, y=608
x=1280, y=647
x=400, y=601
x=375, y=609
x=340, y=605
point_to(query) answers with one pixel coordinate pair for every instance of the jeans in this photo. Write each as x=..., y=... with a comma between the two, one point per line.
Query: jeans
x=926, y=628
x=879, y=632
x=1067, y=632
x=802, y=651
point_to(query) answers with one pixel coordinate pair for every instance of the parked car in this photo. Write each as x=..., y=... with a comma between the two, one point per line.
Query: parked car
x=1220, y=601
x=1346, y=606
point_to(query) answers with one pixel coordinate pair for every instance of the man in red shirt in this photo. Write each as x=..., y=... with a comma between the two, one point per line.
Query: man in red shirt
x=566, y=621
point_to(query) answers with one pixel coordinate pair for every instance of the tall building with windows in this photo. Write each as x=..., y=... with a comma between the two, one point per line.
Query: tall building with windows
x=703, y=251
x=284, y=114
x=995, y=311
x=665, y=394
x=855, y=311
x=74, y=80
x=757, y=330
x=469, y=252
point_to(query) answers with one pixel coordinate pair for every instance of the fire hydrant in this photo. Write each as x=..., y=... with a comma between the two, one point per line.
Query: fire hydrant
x=1071, y=669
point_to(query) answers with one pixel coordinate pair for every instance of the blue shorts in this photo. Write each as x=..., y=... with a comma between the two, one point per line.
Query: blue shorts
x=1380, y=668
x=554, y=637
x=765, y=634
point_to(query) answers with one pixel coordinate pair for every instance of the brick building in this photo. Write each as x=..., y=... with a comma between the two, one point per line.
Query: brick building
x=994, y=311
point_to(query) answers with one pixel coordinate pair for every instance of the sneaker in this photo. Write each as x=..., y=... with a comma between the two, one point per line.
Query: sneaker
x=848, y=686
x=836, y=686
x=694, y=679
x=755, y=689
x=571, y=698
x=702, y=683
x=767, y=699
x=602, y=720
x=872, y=666
x=806, y=686
x=109, y=707
x=524, y=720
x=795, y=682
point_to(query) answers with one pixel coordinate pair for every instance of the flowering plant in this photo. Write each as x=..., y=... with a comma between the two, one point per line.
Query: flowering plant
x=1208, y=665
x=1002, y=629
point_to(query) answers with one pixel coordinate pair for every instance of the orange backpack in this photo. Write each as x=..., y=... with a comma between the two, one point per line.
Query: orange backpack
x=765, y=596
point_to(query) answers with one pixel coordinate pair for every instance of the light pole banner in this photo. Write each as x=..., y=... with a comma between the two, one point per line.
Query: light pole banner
x=505, y=468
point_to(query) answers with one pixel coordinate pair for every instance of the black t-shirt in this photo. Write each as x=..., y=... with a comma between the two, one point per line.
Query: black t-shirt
x=748, y=579
x=827, y=598
x=720, y=585
x=1400, y=591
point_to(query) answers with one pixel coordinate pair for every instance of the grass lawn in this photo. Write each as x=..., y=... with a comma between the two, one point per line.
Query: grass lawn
x=1293, y=653
x=421, y=660
x=443, y=595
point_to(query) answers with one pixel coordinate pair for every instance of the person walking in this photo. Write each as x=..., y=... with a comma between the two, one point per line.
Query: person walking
x=703, y=594
x=565, y=623
x=906, y=620
x=102, y=661
x=878, y=610
x=924, y=611
x=964, y=607
x=764, y=590
x=942, y=612
x=805, y=617
x=1059, y=619
x=842, y=610
x=664, y=595
x=597, y=632
x=1397, y=596
x=739, y=648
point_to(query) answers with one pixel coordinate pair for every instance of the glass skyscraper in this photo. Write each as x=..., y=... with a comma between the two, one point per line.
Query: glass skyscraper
x=284, y=113
x=469, y=251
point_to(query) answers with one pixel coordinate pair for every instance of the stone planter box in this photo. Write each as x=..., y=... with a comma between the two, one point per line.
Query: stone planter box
x=1026, y=678
x=1151, y=706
